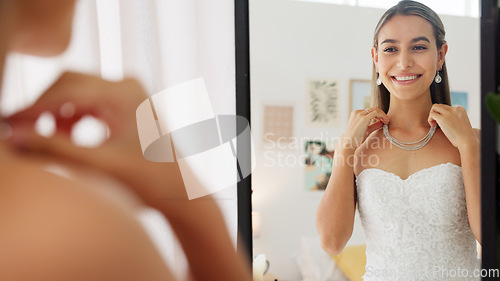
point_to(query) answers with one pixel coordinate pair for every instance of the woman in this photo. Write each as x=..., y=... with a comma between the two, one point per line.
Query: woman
x=416, y=174
x=58, y=228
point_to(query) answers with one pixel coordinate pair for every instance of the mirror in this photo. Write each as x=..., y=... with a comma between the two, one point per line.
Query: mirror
x=297, y=48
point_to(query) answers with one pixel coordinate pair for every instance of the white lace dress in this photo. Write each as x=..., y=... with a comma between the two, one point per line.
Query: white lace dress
x=417, y=228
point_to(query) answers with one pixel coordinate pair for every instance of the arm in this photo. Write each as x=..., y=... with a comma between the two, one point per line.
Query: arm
x=198, y=223
x=455, y=124
x=470, y=159
x=335, y=215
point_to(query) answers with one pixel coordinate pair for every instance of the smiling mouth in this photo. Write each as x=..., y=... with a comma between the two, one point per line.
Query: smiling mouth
x=407, y=78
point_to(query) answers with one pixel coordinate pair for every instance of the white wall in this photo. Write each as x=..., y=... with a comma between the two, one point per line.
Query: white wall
x=289, y=42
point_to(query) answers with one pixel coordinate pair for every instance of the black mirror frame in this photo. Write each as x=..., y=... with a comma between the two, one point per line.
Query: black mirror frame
x=490, y=78
x=242, y=52
x=490, y=74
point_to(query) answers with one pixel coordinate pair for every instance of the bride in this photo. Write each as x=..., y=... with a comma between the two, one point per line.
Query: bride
x=419, y=203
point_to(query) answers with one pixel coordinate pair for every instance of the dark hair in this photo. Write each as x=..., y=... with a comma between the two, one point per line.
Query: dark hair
x=440, y=93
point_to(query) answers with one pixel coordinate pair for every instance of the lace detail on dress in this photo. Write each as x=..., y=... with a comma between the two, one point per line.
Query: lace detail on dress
x=417, y=228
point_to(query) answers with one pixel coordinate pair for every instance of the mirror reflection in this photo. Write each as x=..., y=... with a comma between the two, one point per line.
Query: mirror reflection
x=311, y=66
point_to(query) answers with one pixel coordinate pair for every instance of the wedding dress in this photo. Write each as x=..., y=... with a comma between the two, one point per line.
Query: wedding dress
x=417, y=228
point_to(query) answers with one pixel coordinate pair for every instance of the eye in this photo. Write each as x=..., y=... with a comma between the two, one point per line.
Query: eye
x=420, y=48
x=390, y=50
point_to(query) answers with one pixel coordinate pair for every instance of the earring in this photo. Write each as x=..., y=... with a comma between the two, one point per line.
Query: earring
x=379, y=82
x=438, y=78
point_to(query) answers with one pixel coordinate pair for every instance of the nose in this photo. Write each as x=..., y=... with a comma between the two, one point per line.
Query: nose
x=405, y=60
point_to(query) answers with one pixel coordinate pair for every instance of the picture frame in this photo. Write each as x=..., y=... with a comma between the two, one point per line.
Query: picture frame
x=318, y=163
x=322, y=102
x=359, y=94
x=460, y=99
x=278, y=122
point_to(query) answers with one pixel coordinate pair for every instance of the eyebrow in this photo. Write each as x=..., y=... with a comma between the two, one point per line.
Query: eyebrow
x=414, y=40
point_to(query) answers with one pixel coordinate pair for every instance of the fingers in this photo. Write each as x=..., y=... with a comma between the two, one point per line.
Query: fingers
x=369, y=116
x=444, y=108
x=65, y=125
x=440, y=108
x=58, y=145
x=436, y=113
x=71, y=93
x=375, y=126
x=433, y=115
x=433, y=119
x=440, y=111
x=75, y=95
x=363, y=122
x=379, y=114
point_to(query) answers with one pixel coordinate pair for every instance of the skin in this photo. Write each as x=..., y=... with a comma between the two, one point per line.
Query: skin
x=407, y=48
x=58, y=228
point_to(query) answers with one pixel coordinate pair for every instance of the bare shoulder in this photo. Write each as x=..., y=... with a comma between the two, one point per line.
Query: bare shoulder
x=52, y=228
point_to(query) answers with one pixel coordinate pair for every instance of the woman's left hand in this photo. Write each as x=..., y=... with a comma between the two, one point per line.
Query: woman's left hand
x=115, y=104
x=454, y=123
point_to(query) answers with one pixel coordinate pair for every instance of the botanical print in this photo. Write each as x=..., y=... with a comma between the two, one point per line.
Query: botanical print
x=322, y=103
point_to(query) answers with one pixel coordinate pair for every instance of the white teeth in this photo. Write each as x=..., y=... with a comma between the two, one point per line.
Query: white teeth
x=405, y=78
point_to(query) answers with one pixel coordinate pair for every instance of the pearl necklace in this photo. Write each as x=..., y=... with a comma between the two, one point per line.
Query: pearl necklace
x=409, y=145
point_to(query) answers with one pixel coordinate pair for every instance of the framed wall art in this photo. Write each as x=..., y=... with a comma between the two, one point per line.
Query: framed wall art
x=359, y=94
x=318, y=163
x=278, y=123
x=322, y=103
x=460, y=98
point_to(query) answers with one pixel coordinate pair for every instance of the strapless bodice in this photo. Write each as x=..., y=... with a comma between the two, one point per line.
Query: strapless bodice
x=417, y=228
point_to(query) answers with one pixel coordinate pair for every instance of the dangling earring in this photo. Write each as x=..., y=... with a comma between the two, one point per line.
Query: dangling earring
x=379, y=82
x=438, y=78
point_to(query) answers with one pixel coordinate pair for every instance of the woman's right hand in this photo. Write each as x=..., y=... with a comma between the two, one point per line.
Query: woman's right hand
x=361, y=124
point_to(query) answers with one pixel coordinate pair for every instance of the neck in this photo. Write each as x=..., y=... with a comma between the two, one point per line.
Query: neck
x=407, y=115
